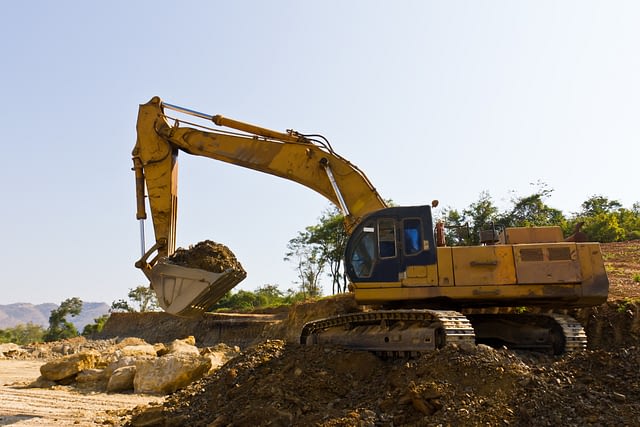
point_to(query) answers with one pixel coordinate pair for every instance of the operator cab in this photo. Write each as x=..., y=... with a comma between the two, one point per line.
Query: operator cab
x=387, y=241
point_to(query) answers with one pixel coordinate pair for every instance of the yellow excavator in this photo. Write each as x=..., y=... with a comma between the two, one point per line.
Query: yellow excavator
x=425, y=294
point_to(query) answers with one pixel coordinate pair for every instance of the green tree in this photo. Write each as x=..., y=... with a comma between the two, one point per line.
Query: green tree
x=481, y=214
x=59, y=326
x=264, y=296
x=121, y=306
x=598, y=204
x=604, y=227
x=464, y=228
x=531, y=210
x=606, y=220
x=457, y=229
x=292, y=296
x=238, y=301
x=308, y=260
x=268, y=296
x=144, y=298
x=320, y=246
x=95, y=327
x=141, y=299
x=22, y=334
x=330, y=237
x=630, y=221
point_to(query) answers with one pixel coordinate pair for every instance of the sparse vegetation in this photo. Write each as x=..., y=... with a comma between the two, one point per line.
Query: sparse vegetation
x=604, y=220
x=95, y=327
x=59, y=326
x=141, y=299
x=22, y=334
x=266, y=296
x=625, y=304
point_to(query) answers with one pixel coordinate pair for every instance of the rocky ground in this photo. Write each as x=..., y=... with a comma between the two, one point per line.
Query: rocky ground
x=282, y=383
x=275, y=381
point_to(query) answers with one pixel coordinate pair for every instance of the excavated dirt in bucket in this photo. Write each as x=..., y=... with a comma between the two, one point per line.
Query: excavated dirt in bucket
x=206, y=255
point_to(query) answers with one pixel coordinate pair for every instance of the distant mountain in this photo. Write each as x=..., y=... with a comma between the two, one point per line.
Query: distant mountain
x=15, y=314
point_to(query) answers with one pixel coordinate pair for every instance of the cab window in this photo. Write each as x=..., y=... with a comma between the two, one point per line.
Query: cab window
x=387, y=238
x=412, y=236
x=364, y=253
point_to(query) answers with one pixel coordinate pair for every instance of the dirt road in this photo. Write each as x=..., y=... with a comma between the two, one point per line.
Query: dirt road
x=59, y=406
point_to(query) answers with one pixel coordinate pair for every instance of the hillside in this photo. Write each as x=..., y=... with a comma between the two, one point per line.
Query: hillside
x=622, y=261
x=23, y=313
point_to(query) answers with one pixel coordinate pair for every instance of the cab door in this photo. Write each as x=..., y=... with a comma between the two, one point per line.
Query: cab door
x=388, y=241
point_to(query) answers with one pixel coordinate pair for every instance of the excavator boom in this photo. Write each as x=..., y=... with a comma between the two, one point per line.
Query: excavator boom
x=307, y=160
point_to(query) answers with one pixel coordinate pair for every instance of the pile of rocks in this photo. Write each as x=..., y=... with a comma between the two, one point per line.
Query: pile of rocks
x=11, y=351
x=134, y=365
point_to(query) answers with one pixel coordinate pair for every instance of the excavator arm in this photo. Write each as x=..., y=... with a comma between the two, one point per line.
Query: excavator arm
x=307, y=160
x=391, y=256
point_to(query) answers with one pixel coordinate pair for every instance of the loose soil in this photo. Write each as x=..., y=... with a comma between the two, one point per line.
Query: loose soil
x=622, y=261
x=207, y=255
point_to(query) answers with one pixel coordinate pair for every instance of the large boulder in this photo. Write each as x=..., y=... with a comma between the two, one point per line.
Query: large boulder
x=138, y=350
x=121, y=379
x=10, y=350
x=69, y=366
x=219, y=354
x=169, y=373
x=119, y=363
x=185, y=346
x=91, y=376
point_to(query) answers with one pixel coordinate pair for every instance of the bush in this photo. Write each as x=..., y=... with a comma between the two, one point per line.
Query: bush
x=95, y=327
x=22, y=334
x=59, y=327
x=266, y=296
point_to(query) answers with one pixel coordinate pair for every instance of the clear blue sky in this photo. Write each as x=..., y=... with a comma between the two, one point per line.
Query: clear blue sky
x=431, y=99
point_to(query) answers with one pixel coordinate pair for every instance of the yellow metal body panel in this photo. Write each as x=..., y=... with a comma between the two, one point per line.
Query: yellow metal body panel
x=421, y=275
x=547, y=263
x=568, y=275
x=595, y=284
x=445, y=267
x=533, y=235
x=483, y=265
x=567, y=295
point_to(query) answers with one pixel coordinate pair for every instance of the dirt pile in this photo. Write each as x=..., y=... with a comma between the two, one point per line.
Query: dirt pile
x=614, y=324
x=287, y=384
x=207, y=255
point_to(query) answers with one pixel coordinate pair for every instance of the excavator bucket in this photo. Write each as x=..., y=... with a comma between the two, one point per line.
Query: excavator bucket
x=189, y=292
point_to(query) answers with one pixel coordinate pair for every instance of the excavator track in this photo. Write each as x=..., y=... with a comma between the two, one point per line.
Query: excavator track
x=391, y=333
x=575, y=336
x=534, y=331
